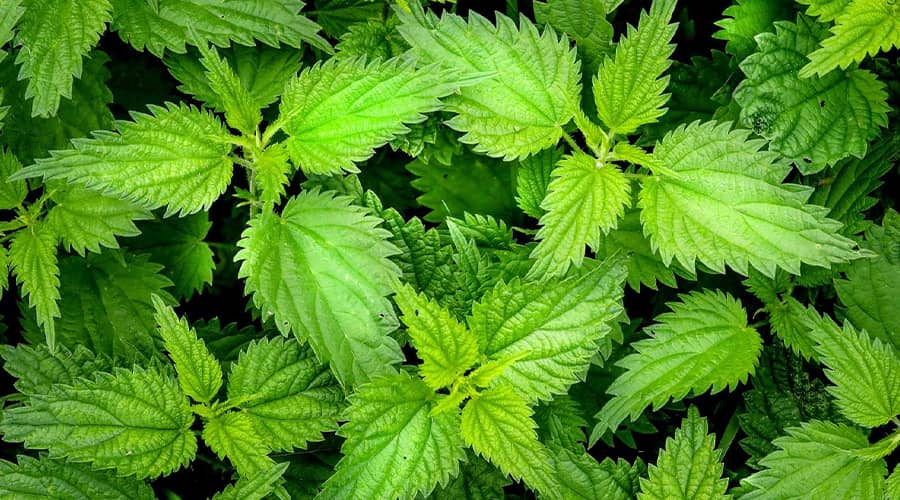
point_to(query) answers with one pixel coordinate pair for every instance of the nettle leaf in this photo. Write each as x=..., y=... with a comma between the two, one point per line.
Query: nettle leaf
x=745, y=19
x=561, y=420
x=36, y=369
x=628, y=88
x=497, y=424
x=689, y=467
x=477, y=479
x=137, y=422
x=161, y=26
x=85, y=220
x=584, y=21
x=579, y=475
x=704, y=342
x=254, y=487
x=54, y=36
x=720, y=200
x=533, y=178
x=271, y=171
x=446, y=346
x=241, y=111
x=395, y=448
x=814, y=121
x=57, y=479
x=825, y=10
x=232, y=436
x=10, y=12
x=12, y=193
x=866, y=373
x=321, y=268
x=529, y=84
x=182, y=160
x=288, y=396
x=32, y=259
x=337, y=113
x=818, y=460
x=863, y=27
x=555, y=326
x=584, y=198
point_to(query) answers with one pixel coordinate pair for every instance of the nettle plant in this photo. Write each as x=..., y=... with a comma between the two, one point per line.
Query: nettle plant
x=567, y=166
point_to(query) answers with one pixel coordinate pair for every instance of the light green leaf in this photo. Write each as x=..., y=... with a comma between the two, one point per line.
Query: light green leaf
x=241, y=111
x=183, y=164
x=199, y=373
x=54, y=36
x=233, y=436
x=254, y=487
x=321, y=268
x=862, y=28
x=690, y=466
x=85, y=220
x=337, y=113
x=704, y=342
x=532, y=179
x=12, y=193
x=745, y=19
x=287, y=395
x=815, y=121
x=534, y=84
x=585, y=197
x=628, y=88
x=579, y=475
x=866, y=373
x=36, y=369
x=47, y=478
x=497, y=424
x=892, y=488
x=447, y=348
x=555, y=325
x=817, y=460
x=137, y=422
x=32, y=259
x=394, y=447
x=720, y=200
x=271, y=172
x=825, y=10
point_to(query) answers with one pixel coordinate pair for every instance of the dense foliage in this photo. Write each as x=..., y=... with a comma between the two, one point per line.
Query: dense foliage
x=368, y=249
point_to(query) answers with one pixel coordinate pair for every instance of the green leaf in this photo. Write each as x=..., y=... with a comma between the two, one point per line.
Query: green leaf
x=532, y=179
x=394, y=447
x=160, y=26
x=816, y=460
x=704, y=342
x=337, y=16
x=745, y=19
x=815, y=121
x=32, y=258
x=289, y=397
x=533, y=88
x=864, y=27
x=337, y=113
x=585, y=197
x=10, y=12
x=54, y=36
x=85, y=220
x=561, y=420
x=689, y=467
x=497, y=424
x=628, y=88
x=184, y=163
x=47, y=478
x=271, y=172
x=373, y=38
x=322, y=269
x=720, y=200
x=137, y=422
x=477, y=480
x=556, y=325
x=241, y=111
x=447, y=348
x=865, y=373
x=825, y=10
x=579, y=475
x=36, y=369
x=233, y=436
x=892, y=488
x=199, y=373
x=12, y=193
x=254, y=487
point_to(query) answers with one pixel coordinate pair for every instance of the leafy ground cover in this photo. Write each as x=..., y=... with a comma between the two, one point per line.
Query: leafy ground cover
x=366, y=249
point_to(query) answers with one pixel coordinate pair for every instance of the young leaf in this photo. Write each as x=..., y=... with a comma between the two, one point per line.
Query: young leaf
x=288, y=397
x=554, y=325
x=54, y=37
x=137, y=422
x=322, y=269
x=815, y=121
x=497, y=424
x=32, y=258
x=336, y=113
x=864, y=27
x=241, y=111
x=689, y=467
x=183, y=162
x=254, y=487
x=394, y=447
x=584, y=198
x=866, y=373
x=628, y=89
x=704, y=342
x=48, y=478
x=533, y=85
x=199, y=373
x=720, y=200
x=233, y=436
x=817, y=460
x=271, y=172
x=446, y=346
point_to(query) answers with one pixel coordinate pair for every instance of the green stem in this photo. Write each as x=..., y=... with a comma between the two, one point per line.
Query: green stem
x=640, y=177
x=571, y=142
